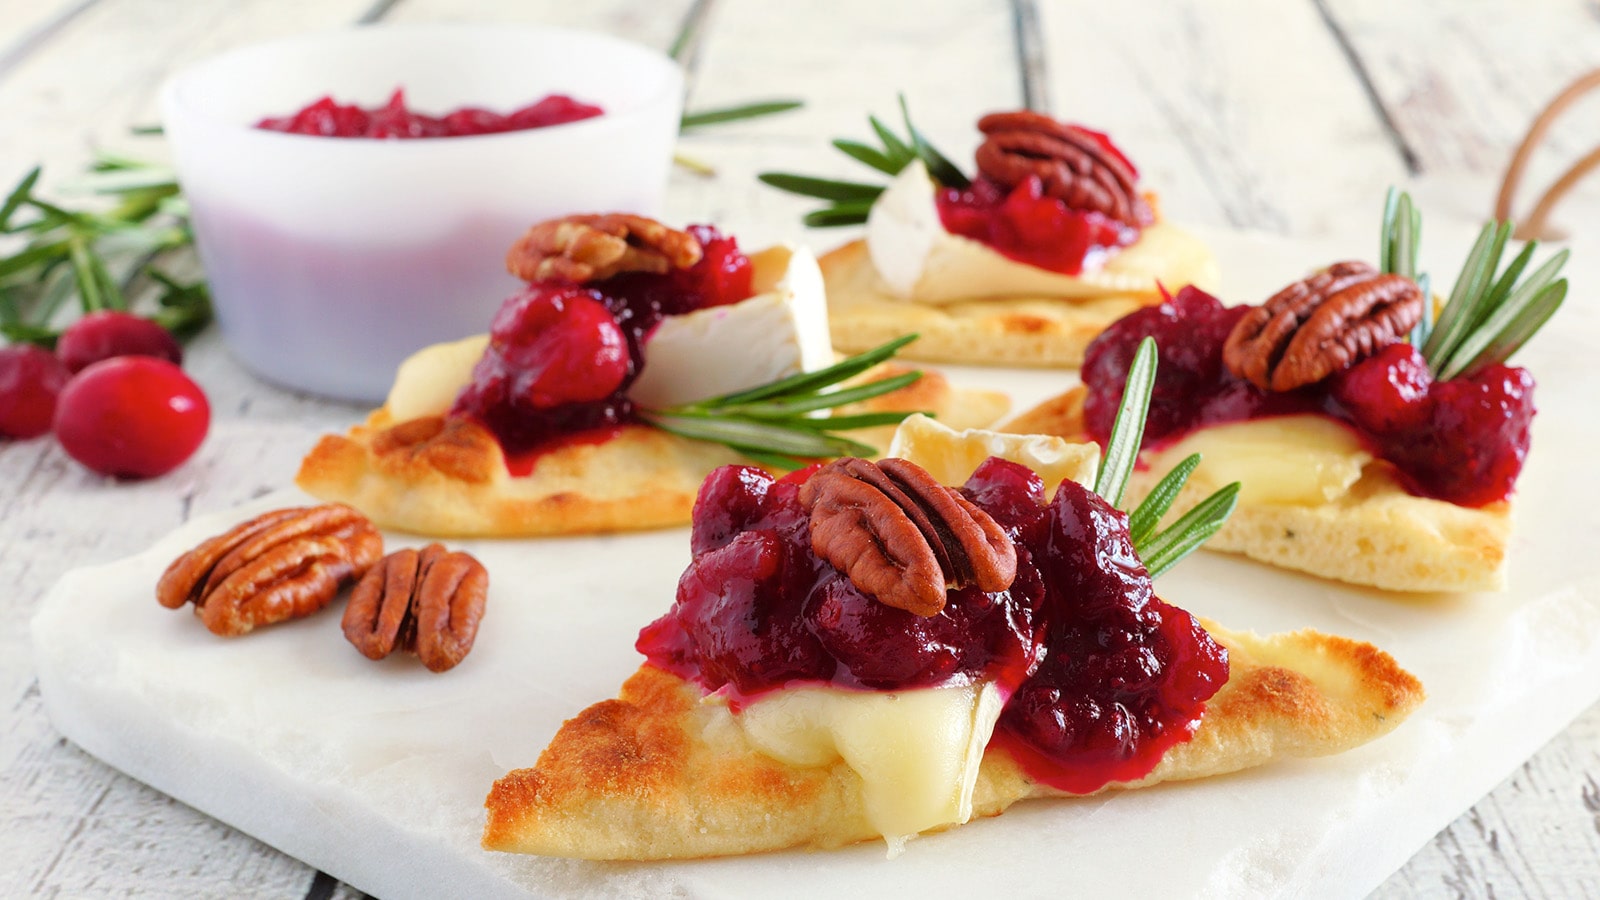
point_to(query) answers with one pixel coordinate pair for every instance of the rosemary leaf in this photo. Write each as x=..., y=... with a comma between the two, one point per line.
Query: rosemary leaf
x=829, y=400
x=736, y=113
x=821, y=378
x=1143, y=520
x=942, y=169
x=83, y=275
x=838, y=215
x=1391, y=212
x=897, y=149
x=851, y=422
x=1517, y=332
x=17, y=195
x=1127, y=432
x=764, y=438
x=826, y=189
x=871, y=156
x=1192, y=529
x=1424, y=327
x=1471, y=286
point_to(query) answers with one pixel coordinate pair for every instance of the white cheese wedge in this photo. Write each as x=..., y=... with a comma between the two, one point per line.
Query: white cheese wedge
x=917, y=751
x=918, y=260
x=1305, y=460
x=951, y=456
x=780, y=331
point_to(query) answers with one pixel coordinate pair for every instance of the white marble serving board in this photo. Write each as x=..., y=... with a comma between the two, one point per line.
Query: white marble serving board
x=376, y=772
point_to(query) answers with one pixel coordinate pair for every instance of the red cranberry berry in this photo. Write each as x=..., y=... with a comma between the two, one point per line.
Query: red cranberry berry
x=1387, y=392
x=1476, y=437
x=30, y=379
x=132, y=417
x=108, y=333
x=561, y=345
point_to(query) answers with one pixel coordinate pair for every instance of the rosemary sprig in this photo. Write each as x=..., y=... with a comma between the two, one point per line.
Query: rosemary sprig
x=720, y=115
x=772, y=423
x=102, y=256
x=1159, y=550
x=1491, y=312
x=850, y=200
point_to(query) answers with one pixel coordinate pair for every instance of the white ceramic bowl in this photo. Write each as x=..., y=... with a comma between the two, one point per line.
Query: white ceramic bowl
x=332, y=259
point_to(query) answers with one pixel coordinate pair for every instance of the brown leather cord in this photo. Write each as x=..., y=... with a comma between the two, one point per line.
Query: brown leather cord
x=1537, y=225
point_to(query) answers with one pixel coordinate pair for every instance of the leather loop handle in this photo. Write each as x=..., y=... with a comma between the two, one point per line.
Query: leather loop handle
x=1537, y=225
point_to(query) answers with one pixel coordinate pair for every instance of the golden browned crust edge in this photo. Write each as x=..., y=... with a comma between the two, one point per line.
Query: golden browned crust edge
x=642, y=478
x=1378, y=535
x=1042, y=332
x=657, y=774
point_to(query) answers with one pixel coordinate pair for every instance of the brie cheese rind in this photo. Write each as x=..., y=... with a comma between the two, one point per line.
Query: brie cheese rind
x=971, y=304
x=411, y=468
x=665, y=772
x=1313, y=500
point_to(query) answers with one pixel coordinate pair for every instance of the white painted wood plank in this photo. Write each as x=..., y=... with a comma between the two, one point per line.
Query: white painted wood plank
x=27, y=24
x=101, y=73
x=1239, y=113
x=651, y=24
x=954, y=61
x=1464, y=80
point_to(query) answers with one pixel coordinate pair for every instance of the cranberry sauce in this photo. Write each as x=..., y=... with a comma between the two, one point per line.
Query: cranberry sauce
x=1030, y=227
x=1102, y=676
x=561, y=356
x=1462, y=441
x=326, y=118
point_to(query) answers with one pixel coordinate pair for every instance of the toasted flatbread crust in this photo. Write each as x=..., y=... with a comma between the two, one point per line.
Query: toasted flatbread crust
x=1377, y=535
x=448, y=478
x=658, y=774
x=1019, y=331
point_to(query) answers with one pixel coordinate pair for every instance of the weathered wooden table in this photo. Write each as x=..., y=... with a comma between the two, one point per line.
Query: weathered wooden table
x=1289, y=117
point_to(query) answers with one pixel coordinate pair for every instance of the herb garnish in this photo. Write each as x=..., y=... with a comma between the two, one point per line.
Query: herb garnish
x=849, y=201
x=1489, y=316
x=1159, y=550
x=771, y=423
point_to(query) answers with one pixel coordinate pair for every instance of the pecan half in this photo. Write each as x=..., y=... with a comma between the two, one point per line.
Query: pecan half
x=1075, y=167
x=281, y=565
x=581, y=249
x=1321, y=325
x=903, y=537
x=427, y=602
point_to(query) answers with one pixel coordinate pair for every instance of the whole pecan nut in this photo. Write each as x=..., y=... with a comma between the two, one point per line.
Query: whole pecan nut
x=1071, y=162
x=1321, y=325
x=901, y=536
x=580, y=249
x=427, y=602
x=281, y=565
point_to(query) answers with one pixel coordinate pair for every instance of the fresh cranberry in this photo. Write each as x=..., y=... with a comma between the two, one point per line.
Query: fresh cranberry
x=108, y=333
x=1026, y=225
x=132, y=417
x=731, y=500
x=1475, y=440
x=1385, y=393
x=1013, y=495
x=556, y=109
x=30, y=380
x=722, y=276
x=563, y=345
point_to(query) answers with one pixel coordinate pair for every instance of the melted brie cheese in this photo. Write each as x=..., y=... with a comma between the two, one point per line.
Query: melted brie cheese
x=781, y=331
x=917, y=751
x=918, y=260
x=1303, y=460
x=951, y=456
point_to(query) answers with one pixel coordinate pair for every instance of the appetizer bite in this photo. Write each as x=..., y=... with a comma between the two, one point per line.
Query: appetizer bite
x=1376, y=444
x=1022, y=264
x=859, y=651
x=638, y=359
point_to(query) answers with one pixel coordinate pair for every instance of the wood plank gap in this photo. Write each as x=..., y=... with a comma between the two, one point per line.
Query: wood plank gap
x=1408, y=154
x=322, y=886
x=39, y=35
x=1032, y=62
x=374, y=13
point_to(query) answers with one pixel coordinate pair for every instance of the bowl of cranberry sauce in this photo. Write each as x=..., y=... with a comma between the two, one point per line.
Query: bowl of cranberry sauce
x=354, y=192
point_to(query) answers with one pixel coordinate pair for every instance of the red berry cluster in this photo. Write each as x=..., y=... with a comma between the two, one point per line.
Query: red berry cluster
x=112, y=393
